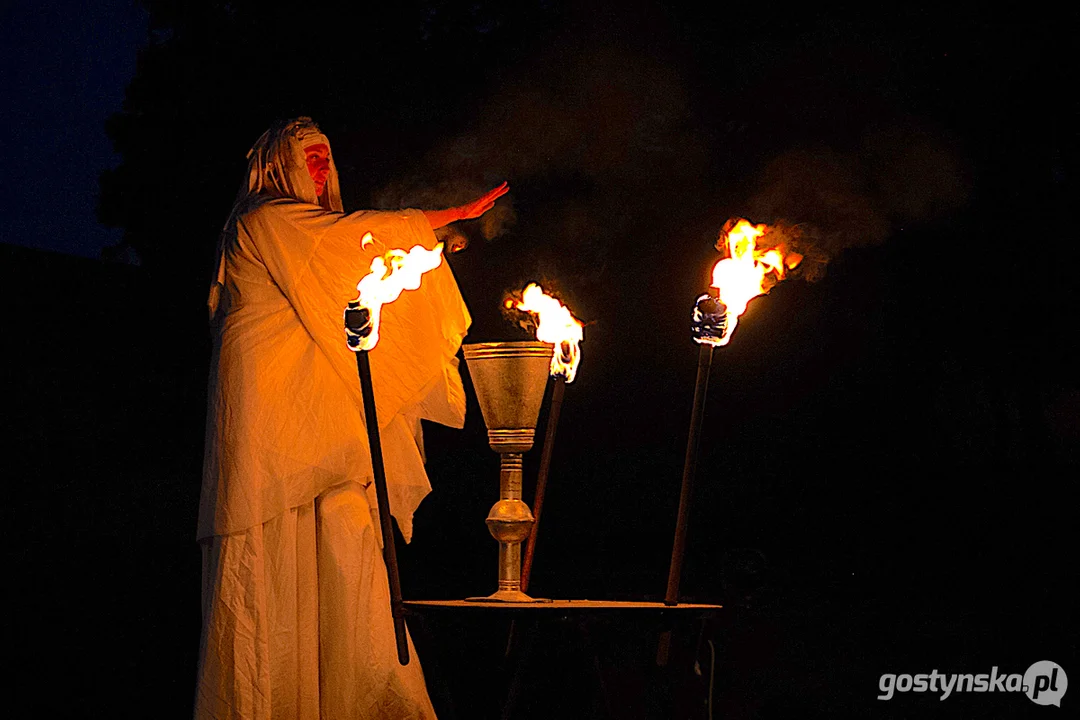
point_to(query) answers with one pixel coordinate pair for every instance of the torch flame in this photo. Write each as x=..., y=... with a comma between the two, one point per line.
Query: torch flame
x=391, y=273
x=555, y=325
x=747, y=272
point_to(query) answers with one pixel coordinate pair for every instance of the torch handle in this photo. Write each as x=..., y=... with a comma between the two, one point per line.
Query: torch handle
x=397, y=607
x=678, y=550
x=542, y=476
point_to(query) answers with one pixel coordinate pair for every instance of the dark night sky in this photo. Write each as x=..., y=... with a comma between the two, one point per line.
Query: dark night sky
x=63, y=69
x=889, y=449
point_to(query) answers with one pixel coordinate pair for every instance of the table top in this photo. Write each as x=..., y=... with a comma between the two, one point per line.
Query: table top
x=560, y=605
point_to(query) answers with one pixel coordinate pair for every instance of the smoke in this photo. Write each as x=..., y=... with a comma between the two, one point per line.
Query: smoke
x=824, y=201
x=585, y=131
x=608, y=154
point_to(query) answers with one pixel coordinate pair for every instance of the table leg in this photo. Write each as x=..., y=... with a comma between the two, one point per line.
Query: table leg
x=433, y=676
x=521, y=666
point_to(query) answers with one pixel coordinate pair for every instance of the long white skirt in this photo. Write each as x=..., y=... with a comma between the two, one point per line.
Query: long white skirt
x=297, y=623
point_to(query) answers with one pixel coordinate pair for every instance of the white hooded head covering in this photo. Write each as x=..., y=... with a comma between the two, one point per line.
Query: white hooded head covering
x=277, y=168
x=277, y=165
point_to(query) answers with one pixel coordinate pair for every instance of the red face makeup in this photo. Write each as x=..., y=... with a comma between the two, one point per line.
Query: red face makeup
x=318, y=164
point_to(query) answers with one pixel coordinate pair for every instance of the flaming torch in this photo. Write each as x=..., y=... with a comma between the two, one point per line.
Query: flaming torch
x=744, y=274
x=555, y=325
x=391, y=273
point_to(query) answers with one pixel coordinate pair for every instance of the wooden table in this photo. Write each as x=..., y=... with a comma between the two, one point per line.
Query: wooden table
x=560, y=606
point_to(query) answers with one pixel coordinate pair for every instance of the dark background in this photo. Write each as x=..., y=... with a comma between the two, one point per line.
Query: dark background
x=890, y=441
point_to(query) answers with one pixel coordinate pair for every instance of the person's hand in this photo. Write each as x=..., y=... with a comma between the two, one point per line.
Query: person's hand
x=468, y=211
x=482, y=204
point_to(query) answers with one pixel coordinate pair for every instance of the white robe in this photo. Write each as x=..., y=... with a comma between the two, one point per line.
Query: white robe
x=295, y=601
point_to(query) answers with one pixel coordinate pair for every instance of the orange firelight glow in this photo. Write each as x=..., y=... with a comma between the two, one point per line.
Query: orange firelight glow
x=555, y=325
x=747, y=272
x=391, y=273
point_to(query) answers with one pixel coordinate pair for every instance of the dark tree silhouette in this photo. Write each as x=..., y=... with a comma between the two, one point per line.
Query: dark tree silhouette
x=884, y=449
x=384, y=79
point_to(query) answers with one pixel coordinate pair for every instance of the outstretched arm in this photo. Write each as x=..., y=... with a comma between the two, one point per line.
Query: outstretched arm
x=468, y=211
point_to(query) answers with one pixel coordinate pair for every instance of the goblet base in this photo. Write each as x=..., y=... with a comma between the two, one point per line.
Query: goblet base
x=508, y=596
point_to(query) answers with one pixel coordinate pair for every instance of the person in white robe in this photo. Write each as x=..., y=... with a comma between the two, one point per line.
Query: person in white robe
x=296, y=608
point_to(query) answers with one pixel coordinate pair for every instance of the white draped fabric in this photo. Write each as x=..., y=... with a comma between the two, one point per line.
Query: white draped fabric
x=285, y=418
x=298, y=624
x=296, y=612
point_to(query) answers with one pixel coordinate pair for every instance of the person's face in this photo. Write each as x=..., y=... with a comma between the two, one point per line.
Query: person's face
x=318, y=164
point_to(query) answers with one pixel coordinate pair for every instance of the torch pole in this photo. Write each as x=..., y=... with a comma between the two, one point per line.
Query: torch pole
x=542, y=476
x=397, y=607
x=541, y=485
x=678, y=550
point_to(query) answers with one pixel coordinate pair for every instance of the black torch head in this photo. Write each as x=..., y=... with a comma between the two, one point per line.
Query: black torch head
x=709, y=323
x=566, y=352
x=357, y=323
